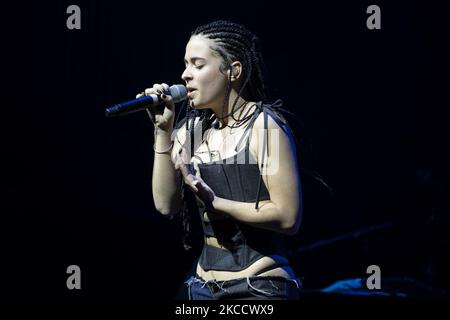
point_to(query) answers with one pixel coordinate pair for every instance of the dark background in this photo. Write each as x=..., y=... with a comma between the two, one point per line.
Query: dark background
x=78, y=185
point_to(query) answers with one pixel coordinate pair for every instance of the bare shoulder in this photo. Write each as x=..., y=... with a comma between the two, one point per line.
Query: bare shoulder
x=258, y=128
x=271, y=123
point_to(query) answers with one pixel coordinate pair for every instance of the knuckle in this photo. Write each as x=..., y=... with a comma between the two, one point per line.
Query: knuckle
x=157, y=88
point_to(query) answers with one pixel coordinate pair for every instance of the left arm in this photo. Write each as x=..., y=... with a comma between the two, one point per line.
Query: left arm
x=282, y=213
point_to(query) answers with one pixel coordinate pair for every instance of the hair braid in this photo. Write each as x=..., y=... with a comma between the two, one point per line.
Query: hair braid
x=232, y=42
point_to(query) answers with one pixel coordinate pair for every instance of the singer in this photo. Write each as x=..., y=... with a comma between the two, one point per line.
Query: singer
x=224, y=156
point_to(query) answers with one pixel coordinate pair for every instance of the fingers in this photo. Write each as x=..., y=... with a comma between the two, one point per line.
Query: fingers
x=204, y=191
x=195, y=182
x=189, y=180
x=183, y=155
x=167, y=99
x=160, y=88
x=163, y=90
x=166, y=88
x=150, y=91
x=197, y=170
x=188, y=177
x=156, y=89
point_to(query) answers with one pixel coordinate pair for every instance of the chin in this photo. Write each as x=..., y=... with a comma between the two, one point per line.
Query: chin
x=196, y=105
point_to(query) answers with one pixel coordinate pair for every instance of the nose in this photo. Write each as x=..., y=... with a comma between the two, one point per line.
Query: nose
x=186, y=75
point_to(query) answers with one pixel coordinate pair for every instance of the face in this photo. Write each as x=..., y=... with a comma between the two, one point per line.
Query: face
x=205, y=82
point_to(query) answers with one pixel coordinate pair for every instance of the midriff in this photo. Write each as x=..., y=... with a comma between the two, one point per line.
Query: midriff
x=265, y=266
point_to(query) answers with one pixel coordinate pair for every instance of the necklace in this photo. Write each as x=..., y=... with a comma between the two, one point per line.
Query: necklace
x=240, y=121
x=224, y=140
x=227, y=142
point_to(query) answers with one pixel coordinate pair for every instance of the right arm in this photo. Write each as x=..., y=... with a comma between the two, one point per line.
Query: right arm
x=166, y=181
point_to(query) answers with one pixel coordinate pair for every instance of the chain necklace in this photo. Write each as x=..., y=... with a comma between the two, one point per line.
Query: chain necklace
x=237, y=124
x=216, y=153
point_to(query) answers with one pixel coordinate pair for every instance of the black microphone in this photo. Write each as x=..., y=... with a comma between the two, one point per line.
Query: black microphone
x=177, y=91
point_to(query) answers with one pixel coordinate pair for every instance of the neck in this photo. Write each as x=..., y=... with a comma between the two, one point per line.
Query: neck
x=240, y=109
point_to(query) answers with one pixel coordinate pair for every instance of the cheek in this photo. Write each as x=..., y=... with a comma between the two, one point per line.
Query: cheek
x=214, y=82
x=210, y=76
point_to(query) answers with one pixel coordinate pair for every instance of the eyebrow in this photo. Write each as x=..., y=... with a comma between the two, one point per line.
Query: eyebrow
x=193, y=59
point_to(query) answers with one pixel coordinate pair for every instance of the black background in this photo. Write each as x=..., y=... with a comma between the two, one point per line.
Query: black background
x=78, y=185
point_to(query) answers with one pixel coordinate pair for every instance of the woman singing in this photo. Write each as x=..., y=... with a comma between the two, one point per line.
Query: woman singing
x=235, y=153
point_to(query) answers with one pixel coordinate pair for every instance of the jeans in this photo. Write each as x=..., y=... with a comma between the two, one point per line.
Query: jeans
x=245, y=288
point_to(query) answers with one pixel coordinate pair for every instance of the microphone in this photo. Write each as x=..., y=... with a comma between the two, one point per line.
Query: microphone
x=177, y=91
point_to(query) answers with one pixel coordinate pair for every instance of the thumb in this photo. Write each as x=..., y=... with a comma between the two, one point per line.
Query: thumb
x=197, y=170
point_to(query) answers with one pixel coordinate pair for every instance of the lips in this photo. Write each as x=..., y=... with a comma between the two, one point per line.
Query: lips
x=191, y=91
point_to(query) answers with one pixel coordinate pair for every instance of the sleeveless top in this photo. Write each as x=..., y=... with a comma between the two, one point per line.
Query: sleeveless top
x=238, y=178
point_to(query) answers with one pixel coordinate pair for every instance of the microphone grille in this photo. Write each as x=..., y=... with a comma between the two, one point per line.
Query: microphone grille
x=178, y=92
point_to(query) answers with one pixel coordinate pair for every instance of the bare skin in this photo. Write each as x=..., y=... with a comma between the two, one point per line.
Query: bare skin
x=266, y=266
x=207, y=84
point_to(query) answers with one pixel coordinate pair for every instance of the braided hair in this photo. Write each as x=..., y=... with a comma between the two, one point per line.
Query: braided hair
x=232, y=42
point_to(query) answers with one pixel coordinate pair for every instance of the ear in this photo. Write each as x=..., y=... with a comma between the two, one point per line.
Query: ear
x=236, y=69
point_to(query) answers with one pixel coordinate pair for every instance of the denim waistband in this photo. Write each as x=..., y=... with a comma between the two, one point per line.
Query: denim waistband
x=223, y=285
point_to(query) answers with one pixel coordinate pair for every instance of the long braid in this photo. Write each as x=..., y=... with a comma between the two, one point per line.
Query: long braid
x=232, y=42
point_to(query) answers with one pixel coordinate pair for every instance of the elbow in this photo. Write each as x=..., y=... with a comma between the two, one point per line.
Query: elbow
x=291, y=226
x=290, y=229
x=170, y=210
x=165, y=212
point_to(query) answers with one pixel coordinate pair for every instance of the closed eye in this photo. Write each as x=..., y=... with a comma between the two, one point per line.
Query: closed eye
x=193, y=61
x=196, y=67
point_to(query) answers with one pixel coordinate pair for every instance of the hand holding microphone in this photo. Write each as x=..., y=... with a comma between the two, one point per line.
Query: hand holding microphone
x=159, y=101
